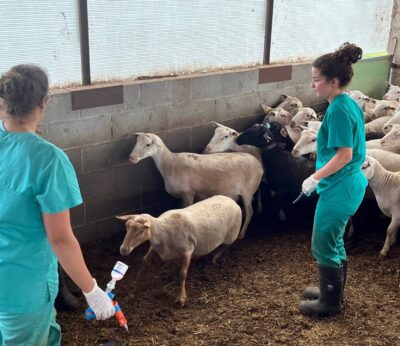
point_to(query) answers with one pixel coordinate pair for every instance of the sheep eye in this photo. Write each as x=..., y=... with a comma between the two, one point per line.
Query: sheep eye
x=148, y=144
x=283, y=115
x=226, y=137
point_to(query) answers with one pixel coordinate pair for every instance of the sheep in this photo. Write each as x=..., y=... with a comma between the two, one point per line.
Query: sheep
x=307, y=144
x=377, y=124
x=224, y=140
x=363, y=100
x=284, y=173
x=181, y=234
x=382, y=108
x=283, y=117
x=290, y=103
x=388, y=160
x=393, y=92
x=303, y=115
x=386, y=187
x=389, y=124
x=190, y=176
x=392, y=138
x=312, y=125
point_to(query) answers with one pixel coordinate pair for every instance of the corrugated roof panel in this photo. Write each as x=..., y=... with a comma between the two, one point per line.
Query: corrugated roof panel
x=42, y=32
x=132, y=38
x=305, y=29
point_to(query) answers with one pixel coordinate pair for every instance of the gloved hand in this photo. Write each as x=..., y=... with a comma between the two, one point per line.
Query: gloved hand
x=99, y=302
x=309, y=185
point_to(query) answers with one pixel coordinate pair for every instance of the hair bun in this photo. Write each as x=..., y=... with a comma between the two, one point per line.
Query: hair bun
x=349, y=52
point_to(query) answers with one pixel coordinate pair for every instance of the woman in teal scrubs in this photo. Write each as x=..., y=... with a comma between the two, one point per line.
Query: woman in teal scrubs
x=338, y=178
x=38, y=186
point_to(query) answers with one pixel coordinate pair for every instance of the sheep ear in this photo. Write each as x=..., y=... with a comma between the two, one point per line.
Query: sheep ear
x=217, y=124
x=266, y=108
x=234, y=133
x=125, y=217
x=139, y=133
x=303, y=127
x=283, y=132
x=388, y=84
x=147, y=224
x=284, y=97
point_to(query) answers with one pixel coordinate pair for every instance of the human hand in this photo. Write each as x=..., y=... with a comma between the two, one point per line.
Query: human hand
x=99, y=302
x=309, y=185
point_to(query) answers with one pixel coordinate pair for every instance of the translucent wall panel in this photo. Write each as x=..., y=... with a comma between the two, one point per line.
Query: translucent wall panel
x=306, y=29
x=130, y=38
x=43, y=32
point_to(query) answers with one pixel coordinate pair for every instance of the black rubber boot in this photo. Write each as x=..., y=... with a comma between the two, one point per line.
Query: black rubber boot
x=65, y=300
x=312, y=293
x=330, y=298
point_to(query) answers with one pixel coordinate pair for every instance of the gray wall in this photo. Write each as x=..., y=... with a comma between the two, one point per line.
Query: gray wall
x=95, y=126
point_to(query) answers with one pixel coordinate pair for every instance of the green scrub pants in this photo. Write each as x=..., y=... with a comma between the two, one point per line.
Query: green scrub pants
x=37, y=328
x=334, y=209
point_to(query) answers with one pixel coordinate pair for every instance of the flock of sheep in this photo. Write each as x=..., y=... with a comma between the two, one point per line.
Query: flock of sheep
x=272, y=159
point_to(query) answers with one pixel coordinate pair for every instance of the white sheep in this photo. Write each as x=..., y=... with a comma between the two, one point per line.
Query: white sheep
x=392, y=138
x=283, y=117
x=196, y=176
x=290, y=103
x=393, y=92
x=307, y=144
x=388, y=160
x=224, y=140
x=364, y=101
x=389, y=124
x=382, y=108
x=386, y=187
x=181, y=234
x=377, y=125
x=303, y=115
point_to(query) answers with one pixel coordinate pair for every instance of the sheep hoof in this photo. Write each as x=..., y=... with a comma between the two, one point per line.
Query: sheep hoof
x=383, y=254
x=181, y=301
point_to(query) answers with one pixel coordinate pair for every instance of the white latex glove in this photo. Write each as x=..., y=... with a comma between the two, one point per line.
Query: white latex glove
x=309, y=185
x=99, y=302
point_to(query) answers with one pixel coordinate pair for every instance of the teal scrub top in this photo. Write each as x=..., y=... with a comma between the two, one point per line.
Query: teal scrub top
x=35, y=177
x=342, y=127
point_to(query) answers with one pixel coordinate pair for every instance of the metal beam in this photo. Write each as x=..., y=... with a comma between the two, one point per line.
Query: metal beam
x=268, y=32
x=84, y=41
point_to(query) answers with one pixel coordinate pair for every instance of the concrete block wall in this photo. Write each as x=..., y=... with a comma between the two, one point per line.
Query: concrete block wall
x=95, y=126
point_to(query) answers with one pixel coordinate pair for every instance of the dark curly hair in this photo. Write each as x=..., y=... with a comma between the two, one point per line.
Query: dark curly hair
x=22, y=89
x=339, y=63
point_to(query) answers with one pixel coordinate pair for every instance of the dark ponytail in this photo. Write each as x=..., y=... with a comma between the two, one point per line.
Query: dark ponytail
x=339, y=63
x=22, y=89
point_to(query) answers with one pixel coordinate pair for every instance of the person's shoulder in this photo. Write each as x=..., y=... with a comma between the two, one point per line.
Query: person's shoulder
x=47, y=150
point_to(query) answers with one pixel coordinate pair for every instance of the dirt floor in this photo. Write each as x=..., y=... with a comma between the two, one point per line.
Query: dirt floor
x=249, y=298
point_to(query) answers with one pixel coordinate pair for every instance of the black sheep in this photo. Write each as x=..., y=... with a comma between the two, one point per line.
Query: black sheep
x=285, y=174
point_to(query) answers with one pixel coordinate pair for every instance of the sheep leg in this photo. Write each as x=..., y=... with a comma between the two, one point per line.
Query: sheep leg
x=149, y=255
x=391, y=235
x=219, y=252
x=182, y=297
x=248, y=215
x=187, y=199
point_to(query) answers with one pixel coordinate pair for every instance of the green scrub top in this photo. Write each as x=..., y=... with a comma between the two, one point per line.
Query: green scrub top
x=35, y=177
x=342, y=127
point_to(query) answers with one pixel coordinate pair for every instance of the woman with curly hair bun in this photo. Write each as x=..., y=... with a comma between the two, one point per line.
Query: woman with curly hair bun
x=338, y=178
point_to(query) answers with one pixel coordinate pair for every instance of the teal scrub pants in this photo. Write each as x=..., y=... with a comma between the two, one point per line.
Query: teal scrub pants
x=37, y=328
x=334, y=208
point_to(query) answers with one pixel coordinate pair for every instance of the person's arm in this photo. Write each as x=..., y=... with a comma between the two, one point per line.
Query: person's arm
x=67, y=248
x=69, y=253
x=342, y=157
